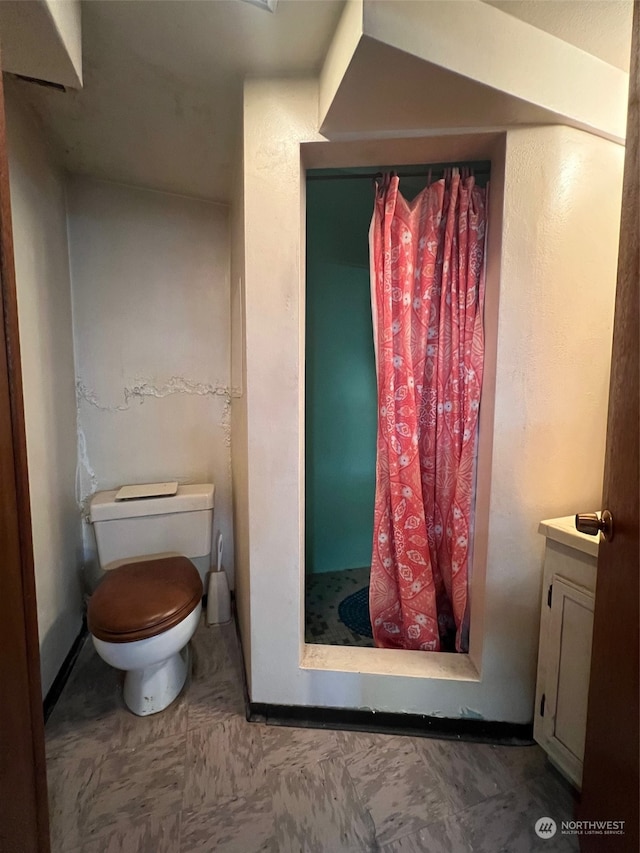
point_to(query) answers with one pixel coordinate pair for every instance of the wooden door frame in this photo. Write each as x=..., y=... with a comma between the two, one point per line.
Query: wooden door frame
x=24, y=817
x=610, y=780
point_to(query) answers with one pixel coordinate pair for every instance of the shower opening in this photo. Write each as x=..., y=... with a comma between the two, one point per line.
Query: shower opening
x=341, y=400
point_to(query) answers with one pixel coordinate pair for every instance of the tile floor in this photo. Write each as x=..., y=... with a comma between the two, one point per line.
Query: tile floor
x=323, y=594
x=199, y=779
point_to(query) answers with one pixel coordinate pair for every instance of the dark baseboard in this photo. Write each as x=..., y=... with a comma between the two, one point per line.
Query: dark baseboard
x=313, y=717
x=416, y=725
x=245, y=685
x=64, y=672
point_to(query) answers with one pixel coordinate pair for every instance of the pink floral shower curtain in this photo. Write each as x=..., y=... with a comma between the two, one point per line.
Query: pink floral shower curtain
x=427, y=289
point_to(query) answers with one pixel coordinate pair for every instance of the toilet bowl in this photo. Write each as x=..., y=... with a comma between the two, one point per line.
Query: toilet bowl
x=147, y=607
x=141, y=618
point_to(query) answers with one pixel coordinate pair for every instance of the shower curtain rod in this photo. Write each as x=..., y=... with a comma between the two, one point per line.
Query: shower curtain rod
x=371, y=176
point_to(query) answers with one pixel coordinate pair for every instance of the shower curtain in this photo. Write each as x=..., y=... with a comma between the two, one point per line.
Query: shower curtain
x=427, y=290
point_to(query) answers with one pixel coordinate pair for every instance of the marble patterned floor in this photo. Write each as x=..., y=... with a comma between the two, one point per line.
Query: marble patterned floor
x=323, y=593
x=198, y=778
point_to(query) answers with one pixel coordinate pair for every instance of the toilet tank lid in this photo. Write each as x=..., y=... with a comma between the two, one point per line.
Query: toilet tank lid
x=104, y=506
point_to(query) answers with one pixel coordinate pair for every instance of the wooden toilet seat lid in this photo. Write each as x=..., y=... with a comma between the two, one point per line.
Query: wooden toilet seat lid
x=143, y=599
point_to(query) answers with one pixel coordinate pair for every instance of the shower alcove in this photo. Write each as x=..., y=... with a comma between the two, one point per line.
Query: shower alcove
x=338, y=521
x=341, y=405
x=540, y=416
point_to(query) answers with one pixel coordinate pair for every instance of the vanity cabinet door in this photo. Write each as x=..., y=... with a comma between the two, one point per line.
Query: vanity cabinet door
x=567, y=676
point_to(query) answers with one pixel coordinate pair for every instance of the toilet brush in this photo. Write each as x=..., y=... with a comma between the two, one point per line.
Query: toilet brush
x=218, y=598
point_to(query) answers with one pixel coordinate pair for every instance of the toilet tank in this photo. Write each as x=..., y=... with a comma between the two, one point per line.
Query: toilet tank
x=180, y=523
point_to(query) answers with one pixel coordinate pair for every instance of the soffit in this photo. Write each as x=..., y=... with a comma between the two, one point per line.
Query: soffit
x=599, y=27
x=442, y=65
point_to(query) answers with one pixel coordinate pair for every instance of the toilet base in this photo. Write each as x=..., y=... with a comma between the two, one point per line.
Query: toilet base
x=155, y=668
x=152, y=689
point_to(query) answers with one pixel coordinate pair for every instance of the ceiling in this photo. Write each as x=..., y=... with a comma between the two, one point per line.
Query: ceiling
x=162, y=97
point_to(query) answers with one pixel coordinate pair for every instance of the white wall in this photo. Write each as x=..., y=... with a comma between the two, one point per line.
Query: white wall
x=558, y=259
x=150, y=283
x=44, y=308
x=559, y=255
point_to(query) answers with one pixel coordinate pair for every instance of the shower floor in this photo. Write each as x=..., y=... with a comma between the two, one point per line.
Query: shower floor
x=323, y=595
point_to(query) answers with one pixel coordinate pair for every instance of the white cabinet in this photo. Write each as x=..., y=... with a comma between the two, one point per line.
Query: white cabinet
x=564, y=655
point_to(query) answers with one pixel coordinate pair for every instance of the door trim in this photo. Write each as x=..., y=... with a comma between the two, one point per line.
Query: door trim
x=24, y=819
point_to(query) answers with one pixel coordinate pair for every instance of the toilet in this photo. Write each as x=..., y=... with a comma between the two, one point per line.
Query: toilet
x=155, y=552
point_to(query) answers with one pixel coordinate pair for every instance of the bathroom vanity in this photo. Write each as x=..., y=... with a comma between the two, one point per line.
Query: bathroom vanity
x=564, y=655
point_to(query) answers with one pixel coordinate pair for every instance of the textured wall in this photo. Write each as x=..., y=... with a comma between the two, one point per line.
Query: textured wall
x=44, y=306
x=560, y=249
x=150, y=283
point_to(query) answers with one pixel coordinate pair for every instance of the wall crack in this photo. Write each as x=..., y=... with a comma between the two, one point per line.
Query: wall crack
x=140, y=390
x=86, y=479
x=88, y=396
x=178, y=385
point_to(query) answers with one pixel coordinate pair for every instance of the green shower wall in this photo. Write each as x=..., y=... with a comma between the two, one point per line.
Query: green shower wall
x=341, y=397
